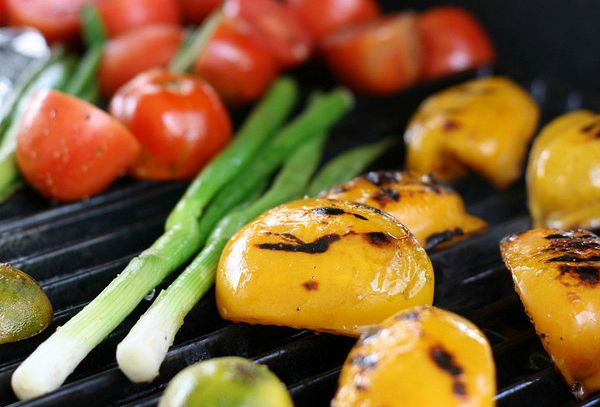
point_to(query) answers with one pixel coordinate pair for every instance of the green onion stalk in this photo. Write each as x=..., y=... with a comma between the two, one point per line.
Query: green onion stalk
x=142, y=351
x=50, y=364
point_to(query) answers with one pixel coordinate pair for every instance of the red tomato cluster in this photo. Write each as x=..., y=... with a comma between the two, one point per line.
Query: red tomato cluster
x=175, y=123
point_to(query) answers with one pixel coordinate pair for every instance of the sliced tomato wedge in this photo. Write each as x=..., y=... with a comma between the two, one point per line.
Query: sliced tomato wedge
x=120, y=16
x=273, y=25
x=382, y=56
x=324, y=17
x=68, y=149
x=179, y=121
x=238, y=68
x=195, y=11
x=453, y=41
x=134, y=52
x=57, y=20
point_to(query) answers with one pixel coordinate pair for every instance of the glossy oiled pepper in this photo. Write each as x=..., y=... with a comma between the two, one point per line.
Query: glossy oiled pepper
x=483, y=126
x=563, y=173
x=433, y=212
x=321, y=264
x=556, y=274
x=424, y=356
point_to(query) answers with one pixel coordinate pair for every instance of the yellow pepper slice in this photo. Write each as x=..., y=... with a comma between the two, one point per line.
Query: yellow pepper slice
x=424, y=356
x=482, y=126
x=326, y=265
x=556, y=274
x=563, y=173
x=433, y=212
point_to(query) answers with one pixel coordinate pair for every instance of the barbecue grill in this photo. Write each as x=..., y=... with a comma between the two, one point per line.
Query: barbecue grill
x=74, y=250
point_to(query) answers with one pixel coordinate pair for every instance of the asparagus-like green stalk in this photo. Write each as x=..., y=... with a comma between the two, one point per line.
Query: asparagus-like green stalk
x=84, y=82
x=54, y=75
x=193, y=47
x=322, y=113
x=347, y=165
x=142, y=351
x=49, y=365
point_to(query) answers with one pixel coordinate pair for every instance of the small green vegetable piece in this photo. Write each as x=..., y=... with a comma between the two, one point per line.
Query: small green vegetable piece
x=142, y=351
x=50, y=364
x=347, y=165
x=226, y=382
x=25, y=310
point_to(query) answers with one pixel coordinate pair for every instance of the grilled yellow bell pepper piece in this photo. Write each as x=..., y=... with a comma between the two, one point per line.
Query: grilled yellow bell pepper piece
x=326, y=265
x=433, y=212
x=482, y=126
x=557, y=276
x=563, y=173
x=424, y=356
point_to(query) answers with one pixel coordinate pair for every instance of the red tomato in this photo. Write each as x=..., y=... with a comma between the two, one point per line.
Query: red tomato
x=69, y=149
x=195, y=11
x=453, y=41
x=57, y=20
x=238, y=68
x=137, y=51
x=120, y=16
x=3, y=12
x=324, y=17
x=179, y=120
x=274, y=26
x=382, y=56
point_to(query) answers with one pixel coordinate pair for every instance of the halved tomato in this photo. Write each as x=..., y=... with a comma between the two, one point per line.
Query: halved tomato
x=382, y=56
x=238, y=68
x=134, y=52
x=324, y=17
x=453, y=41
x=178, y=119
x=57, y=20
x=273, y=25
x=195, y=11
x=120, y=16
x=68, y=149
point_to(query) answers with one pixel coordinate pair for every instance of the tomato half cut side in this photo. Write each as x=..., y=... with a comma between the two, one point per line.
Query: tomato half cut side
x=68, y=149
x=120, y=16
x=239, y=69
x=453, y=41
x=179, y=121
x=380, y=57
x=324, y=17
x=273, y=25
x=57, y=20
x=134, y=52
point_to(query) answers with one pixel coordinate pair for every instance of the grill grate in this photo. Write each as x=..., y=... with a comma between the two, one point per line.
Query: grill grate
x=74, y=250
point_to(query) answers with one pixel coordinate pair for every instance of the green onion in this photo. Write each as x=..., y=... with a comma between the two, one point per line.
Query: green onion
x=348, y=165
x=322, y=113
x=141, y=353
x=197, y=42
x=50, y=364
x=84, y=83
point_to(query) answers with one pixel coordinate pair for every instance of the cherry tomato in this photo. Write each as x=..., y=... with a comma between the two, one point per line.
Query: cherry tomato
x=382, y=56
x=238, y=68
x=68, y=149
x=134, y=52
x=57, y=20
x=453, y=41
x=273, y=25
x=324, y=17
x=195, y=11
x=178, y=119
x=120, y=16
